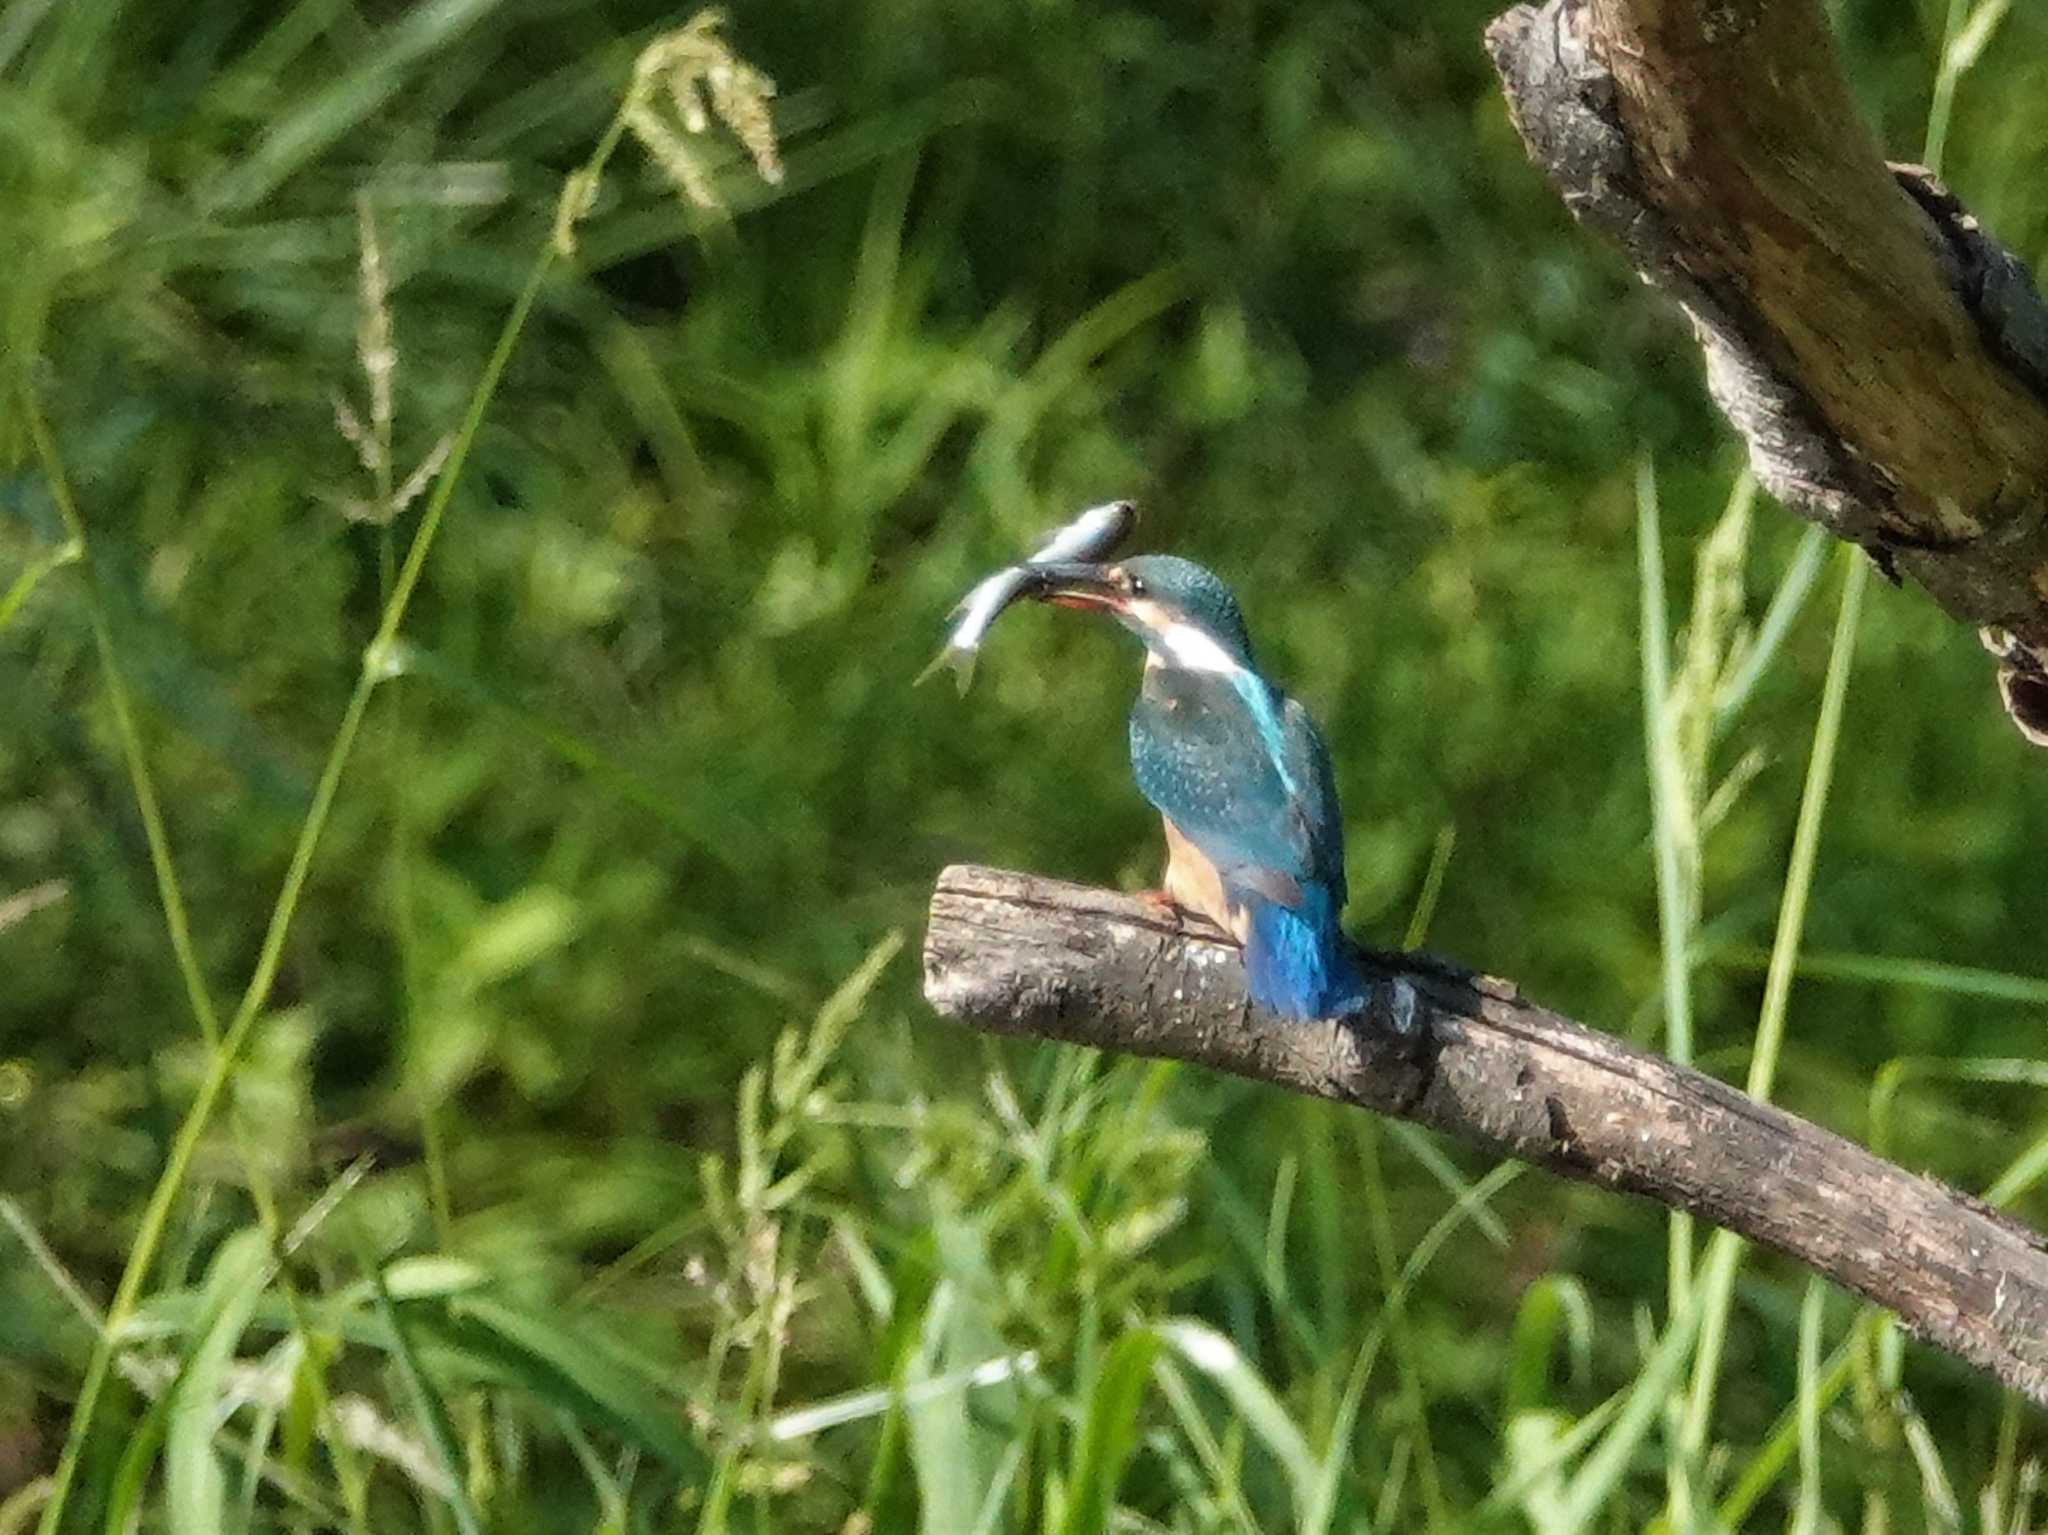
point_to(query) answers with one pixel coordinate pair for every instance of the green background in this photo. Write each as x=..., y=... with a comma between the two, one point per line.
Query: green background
x=655, y=781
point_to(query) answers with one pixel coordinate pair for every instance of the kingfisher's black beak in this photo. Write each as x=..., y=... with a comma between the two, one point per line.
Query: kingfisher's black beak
x=1080, y=584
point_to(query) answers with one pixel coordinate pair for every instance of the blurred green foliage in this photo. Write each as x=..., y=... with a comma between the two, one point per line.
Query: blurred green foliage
x=653, y=784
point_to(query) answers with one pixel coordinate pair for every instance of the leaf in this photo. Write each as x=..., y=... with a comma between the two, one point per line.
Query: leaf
x=1802, y=573
x=195, y=1485
x=318, y=119
x=1217, y=1357
x=131, y=1476
x=855, y=1406
x=432, y=1411
x=1768, y=1462
x=32, y=575
x=574, y=1370
x=1110, y=1432
x=516, y=934
x=796, y=1075
x=957, y=1454
x=431, y=1276
x=1807, y=1518
x=1971, y=41
x=1551, y=1301
x=1602, y=1469
x=1537, y=1451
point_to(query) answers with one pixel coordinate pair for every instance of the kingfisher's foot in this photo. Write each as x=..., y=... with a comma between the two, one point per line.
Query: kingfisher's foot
x=1186, y=921
x=1166, y=908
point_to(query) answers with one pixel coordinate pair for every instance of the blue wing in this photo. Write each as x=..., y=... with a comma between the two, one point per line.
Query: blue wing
x=1241, y=769
x=1309, y=761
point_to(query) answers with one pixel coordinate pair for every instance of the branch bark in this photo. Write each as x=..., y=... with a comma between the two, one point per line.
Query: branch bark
x=1015, y=954
x=1884, y=357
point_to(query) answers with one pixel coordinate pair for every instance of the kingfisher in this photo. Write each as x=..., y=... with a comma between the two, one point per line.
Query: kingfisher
x=1238, y=772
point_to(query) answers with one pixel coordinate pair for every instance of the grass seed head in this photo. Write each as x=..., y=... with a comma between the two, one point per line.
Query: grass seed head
x=684, y=82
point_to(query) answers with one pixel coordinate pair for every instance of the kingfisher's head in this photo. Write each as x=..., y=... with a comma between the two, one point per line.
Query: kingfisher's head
x=1183, y=613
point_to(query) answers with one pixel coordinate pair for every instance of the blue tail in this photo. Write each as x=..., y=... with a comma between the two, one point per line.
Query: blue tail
x=1297, y=960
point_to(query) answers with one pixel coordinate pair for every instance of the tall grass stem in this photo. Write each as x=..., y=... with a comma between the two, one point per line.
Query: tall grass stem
x=169, y=893
x=1724, y=1253
x=220, y=1069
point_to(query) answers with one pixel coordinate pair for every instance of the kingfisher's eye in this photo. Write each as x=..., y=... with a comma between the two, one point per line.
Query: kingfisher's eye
x=1137, y=586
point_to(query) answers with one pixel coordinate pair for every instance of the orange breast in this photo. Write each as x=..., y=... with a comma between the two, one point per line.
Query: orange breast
x=1193, y=883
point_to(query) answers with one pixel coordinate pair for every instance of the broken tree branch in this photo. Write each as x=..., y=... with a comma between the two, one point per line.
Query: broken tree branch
x=1885, y=358
x=1015, y=954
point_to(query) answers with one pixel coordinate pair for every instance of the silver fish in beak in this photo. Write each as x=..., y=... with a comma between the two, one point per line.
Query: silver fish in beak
x=1088, y=537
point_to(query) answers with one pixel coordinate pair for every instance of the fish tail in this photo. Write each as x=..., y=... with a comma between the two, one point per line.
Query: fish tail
x=953, y=657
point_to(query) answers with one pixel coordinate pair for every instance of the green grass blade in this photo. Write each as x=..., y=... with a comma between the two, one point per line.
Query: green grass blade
x=2024, y=1171
x=1400, y=1335
x=284, y=1360
x=1941, y=1509
x=611, y=1496
x=570, y=1368
x=1430, y=1156
x=1670, y=819
x=1110, y=1431
x=1963, y=43
x=1533, y=1470
x=46, y=1260
x=130, y=1480
x=1554, y=1301
x=1787, y=603
x=1597, y=1479
x=169, y=892
x=1674, y=838
x=1432, y=887
x=195, y=1485
x=290, y=143
x=856, y=1406
x=1222, y=1468
x=954, y=1454
x=1240, y=1218
x=1208, y=1351
x=1806, y=1518
x=991, y=1520
x=1888, y=970
x=32, y=574
x=1780, y=1444
x=1895, y=1074
x=1813, y=802
x=1724, y=1257
x=1320, y=1512
x=428, y=1406
x=1669, y=812
x=2021, y=1174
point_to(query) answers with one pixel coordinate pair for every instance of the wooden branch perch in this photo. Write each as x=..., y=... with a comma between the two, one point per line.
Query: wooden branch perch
x=1015, y=954
x=1885, y=358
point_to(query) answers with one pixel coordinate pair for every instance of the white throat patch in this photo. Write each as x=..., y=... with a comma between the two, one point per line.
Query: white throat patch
x=1186, y=645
